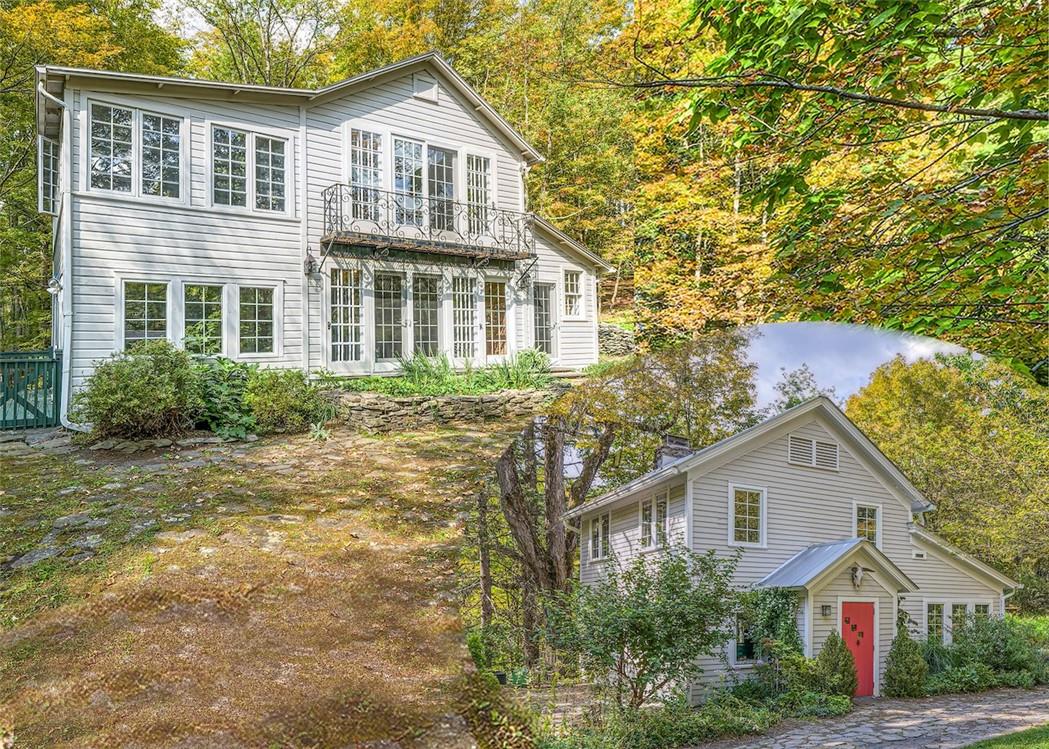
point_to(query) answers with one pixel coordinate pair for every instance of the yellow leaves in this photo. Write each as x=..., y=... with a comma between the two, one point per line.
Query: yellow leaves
x=45, y=32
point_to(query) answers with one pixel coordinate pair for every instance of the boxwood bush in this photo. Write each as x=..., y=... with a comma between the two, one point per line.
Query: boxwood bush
x=283, y=400
x=150, y=391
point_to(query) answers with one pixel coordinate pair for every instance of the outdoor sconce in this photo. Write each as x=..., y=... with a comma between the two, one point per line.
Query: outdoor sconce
x=825, y=610
x=311, y=266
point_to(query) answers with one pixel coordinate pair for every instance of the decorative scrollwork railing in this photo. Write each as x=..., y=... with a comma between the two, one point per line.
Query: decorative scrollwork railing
x=431, y=222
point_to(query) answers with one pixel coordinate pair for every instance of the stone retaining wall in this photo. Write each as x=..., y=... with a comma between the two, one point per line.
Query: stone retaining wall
x=388, y=413
x=613, y=340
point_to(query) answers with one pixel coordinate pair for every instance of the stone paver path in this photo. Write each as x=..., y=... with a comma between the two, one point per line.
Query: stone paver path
x=944, y=722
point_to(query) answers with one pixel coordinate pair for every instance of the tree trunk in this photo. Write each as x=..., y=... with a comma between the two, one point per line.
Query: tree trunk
x=530, y=618
x=487, y=607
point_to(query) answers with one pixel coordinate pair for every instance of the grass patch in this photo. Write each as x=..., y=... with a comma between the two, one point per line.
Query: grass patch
x=1032, y=738
x=422, y=375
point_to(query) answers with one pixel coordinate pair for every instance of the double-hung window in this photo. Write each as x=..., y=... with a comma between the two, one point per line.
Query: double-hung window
x=934, y=622
x=145, y=312
x=573, y=293
x=248, y=169
x=747, y=516
x=600, y=533
x=47, y=176
x=134, y=152
x=654, y=520
x=202, y=308
x=257, y=332
x=868, y=523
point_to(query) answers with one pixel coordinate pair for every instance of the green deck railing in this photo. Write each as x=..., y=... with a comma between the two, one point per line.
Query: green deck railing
x=30, y=389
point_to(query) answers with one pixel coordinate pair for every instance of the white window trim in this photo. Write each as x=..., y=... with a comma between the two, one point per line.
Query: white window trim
x=555, y=317
x=55, y=196
x=251, y=130
x=135, y=194
x=948, y=602
x=508, y=312
x=118, y=312
x=591, y=557
x=856, y=504
x=732, y=487
x=733, y=661
x=582, y=315
x=654, y=500
x=278, y=320
x=435, y=98
x=877, y=631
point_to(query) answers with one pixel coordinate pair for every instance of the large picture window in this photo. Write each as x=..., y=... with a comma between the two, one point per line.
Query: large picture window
x=426, y=302
x=256, y=320
x=202, y=308
x=464, y=317
x=748, y=516
x=145, y=312
x=495, y=318
x=346, y=343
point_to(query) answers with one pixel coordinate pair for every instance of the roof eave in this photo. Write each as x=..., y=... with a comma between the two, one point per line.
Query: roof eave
x=972, y=561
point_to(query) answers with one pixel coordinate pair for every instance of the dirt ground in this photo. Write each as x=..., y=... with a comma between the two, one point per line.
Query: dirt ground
x=284, y=593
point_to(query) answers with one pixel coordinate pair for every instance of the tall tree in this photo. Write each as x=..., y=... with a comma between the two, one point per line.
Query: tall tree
x=903, y=148
x=973, y=435
x=796, y=386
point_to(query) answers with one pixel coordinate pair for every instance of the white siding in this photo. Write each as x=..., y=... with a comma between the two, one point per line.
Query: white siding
x=117, y=237
x=575, y=339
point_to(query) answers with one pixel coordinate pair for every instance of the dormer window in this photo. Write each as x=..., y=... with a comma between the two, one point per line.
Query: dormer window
x=804, y=451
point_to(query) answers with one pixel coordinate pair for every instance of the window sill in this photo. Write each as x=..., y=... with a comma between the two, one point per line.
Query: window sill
x=742, y=545
x=184, y=206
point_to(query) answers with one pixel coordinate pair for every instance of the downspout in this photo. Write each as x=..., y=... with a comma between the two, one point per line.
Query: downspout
x=65, y=226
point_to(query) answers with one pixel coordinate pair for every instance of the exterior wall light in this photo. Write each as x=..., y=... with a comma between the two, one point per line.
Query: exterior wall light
x=825, y=609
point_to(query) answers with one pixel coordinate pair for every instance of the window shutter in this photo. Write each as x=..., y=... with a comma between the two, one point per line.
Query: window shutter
x=800, y=450
x=826, y=455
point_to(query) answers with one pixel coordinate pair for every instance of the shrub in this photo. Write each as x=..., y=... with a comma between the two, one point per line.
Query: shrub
x=812, y=704
x=150, y=391
x=222, y=385
x=906, y=670
x=283, y=400
x=999, y=643
x=936, y=656
x=836, y=668
x=974, y=677
x=525, y=370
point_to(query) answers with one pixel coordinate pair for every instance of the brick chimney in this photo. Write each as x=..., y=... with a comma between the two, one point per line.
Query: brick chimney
x=674, y=447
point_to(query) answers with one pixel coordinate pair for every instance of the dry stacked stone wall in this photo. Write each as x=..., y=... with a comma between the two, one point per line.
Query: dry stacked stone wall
x=375, y=412
x=613, y=340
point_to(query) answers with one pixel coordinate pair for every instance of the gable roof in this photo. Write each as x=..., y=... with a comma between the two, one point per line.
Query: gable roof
x=967, y=559
x=52, y=78
x=821, y=405
x=571, y=244
x=809, y=565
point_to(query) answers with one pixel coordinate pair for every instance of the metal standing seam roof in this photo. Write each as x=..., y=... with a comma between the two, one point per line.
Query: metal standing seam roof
x=808, y=564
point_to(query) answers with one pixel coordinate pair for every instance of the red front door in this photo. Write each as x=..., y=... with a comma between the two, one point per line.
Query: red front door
x=857, y=629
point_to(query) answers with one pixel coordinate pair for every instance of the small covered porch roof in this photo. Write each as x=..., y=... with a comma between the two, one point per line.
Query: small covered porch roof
x=813, y=565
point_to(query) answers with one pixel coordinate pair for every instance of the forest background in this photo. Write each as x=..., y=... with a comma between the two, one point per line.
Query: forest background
x=875, y=162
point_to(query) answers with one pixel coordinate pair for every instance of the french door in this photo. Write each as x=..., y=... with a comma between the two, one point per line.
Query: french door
x=389, y=298
x=543, y=310
x=345, y=315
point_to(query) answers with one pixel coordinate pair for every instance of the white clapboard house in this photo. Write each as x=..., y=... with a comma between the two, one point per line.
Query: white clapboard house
x=338, y=229
x=810, y=504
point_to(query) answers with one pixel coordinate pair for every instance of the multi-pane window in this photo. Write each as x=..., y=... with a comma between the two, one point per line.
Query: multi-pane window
x=161, y=155
x=495, y=318
x=365, y=174
x=542, y=302
x=229, y=167
x=600, y=531
x=867, y=523
x=934, y=622
x=256, y=320
x=464, y=317
x=389, y=315
x=269, y=173
x=47, y=176
x=408, y=181
x=746, y=649
x=959, y=615
x=145, y=311
x=346, y=308
x=441, y=174
x=478, y=192
x=982, y=610
x=747, y=515
x=111, y=147
x=654, y=521
x=202, y=309
x=426, y=301
x=573, y=293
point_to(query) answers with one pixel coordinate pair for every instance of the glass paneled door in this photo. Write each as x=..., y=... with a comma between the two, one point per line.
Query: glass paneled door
x=345, y=315
x=542, y=303
x=389, y=316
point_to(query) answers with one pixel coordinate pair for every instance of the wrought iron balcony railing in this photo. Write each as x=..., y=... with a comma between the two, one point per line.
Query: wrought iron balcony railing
x=422, y=223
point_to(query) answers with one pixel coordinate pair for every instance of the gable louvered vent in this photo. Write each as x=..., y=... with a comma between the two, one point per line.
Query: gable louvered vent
x=809, y=452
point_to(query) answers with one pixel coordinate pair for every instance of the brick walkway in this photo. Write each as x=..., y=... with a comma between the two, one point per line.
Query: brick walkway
x=946, y=722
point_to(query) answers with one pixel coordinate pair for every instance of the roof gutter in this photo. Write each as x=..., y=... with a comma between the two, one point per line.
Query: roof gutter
x=626, y=490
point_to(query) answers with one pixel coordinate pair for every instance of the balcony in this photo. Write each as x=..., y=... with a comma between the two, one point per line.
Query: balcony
x=388, y=220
